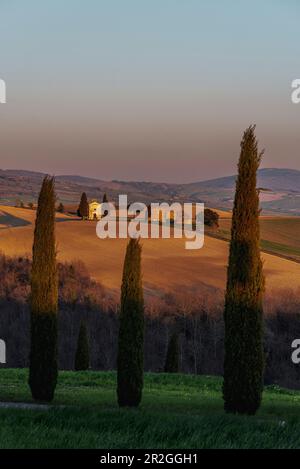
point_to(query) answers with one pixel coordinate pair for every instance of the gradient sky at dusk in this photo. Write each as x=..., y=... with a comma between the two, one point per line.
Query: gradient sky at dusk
x=147, y=90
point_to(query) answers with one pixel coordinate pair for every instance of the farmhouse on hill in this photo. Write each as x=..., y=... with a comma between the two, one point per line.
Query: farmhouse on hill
x=93, y=210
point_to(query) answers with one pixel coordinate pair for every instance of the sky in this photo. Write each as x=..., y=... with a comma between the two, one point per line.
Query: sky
x=158, y=90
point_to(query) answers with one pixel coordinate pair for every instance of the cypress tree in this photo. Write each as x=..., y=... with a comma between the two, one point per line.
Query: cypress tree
x=131, y=332
x=244, y=357
x=82, y=357
x=172, y=357
x=83, y=209
x=44, y=298
x=105, y=201
x=61, y=208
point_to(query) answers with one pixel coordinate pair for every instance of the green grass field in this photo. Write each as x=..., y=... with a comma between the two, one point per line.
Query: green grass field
x=279, y=235
x=177, y=411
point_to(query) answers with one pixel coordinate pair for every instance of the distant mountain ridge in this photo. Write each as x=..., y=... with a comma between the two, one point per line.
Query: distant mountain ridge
x=280, y=189
x=272, y=178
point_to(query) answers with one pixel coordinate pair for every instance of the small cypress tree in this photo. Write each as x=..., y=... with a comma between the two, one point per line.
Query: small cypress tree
x=105, y=201
x=61, y=208
x=83, y=209
x=82, y=357
x=44, y=298
x=131, y=332
x=172, y=357
x=244, y=357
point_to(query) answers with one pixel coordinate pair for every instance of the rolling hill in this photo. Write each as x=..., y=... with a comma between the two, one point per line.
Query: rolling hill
x=280, y=190
x=167, y=265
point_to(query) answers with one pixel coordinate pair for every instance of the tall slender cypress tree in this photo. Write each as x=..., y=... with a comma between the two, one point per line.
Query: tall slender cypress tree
x=131, y=331
x=172, y=357
x=82, y=357
x=44, y=298
x=83, y=209
x=244, y=357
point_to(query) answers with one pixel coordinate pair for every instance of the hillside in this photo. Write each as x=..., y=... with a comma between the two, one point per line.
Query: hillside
x=269, y=178
x=25, y=185
x=167, y=265
x=279, y=235
x=280, y=190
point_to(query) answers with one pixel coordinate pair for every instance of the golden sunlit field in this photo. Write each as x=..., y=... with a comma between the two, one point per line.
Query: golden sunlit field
x=167, y=265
